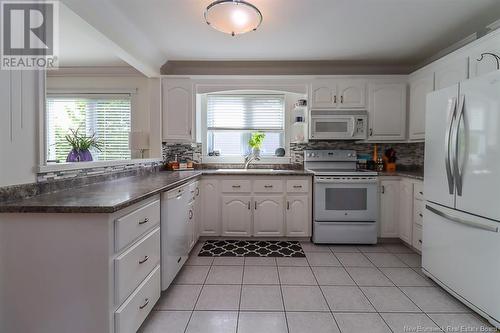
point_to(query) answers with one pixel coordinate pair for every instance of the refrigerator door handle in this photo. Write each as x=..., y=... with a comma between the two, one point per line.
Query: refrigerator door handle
x=456, y=169
x=461, y=221
x=452, y=107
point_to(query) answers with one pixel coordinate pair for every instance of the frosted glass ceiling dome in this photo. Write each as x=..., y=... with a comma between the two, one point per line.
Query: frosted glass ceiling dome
x=233, y=17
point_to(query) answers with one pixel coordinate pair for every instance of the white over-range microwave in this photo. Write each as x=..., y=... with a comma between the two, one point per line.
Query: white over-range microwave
x=339, y=125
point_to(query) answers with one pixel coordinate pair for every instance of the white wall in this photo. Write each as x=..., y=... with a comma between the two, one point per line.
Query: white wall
x=18, y=126
x=143, y=102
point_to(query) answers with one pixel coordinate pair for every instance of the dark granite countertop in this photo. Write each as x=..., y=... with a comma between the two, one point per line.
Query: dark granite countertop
x=256, y=172
x=408, y=174
x=104, y=197
x=111, y=196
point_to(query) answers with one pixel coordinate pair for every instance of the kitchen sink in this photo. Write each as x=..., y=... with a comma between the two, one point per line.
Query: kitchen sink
x=246, y=170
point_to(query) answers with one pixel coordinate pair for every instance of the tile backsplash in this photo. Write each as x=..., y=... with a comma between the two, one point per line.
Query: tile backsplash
x=409, y=154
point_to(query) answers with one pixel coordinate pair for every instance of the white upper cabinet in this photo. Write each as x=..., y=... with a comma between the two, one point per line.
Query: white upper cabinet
x=324, y=94
x=451, y=72
x=352, y=93
x=178, y=110
x=490, y=44
x=268, y=216
x=387, y=111
x=420, y=85
x=338, y=94
x=236, y=215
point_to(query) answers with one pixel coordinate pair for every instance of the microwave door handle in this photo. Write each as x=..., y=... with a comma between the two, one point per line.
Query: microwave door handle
x=352, y=127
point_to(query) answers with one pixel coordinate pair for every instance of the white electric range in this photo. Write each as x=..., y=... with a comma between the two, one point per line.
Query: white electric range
x=345, y=199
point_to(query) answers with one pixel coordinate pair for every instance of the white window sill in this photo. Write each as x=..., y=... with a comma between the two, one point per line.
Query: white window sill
x=241, y=160
x=53, y=167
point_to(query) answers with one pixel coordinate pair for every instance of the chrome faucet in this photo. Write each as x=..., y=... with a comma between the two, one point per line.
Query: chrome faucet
x=249, y=158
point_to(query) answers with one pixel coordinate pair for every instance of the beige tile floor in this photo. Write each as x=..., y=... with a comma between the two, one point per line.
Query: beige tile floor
x=334, y=289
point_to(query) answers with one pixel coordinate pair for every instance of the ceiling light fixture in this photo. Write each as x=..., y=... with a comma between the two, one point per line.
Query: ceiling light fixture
x=233, y=17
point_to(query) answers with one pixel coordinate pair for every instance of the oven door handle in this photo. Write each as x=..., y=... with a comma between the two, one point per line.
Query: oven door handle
x=346, y=181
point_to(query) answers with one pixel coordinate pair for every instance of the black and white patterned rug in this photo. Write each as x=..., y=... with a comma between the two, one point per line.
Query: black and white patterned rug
x=251, y=248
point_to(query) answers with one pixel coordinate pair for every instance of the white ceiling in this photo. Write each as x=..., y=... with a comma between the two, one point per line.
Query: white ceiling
x=403, y=31
x=80, y=45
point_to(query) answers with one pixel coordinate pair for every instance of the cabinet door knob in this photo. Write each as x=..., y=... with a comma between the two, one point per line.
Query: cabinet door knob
x=420, y=214
x=142, y=261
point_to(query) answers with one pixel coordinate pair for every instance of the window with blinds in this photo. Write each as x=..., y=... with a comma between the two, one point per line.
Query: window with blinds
x=231, y=120
x=108, y=116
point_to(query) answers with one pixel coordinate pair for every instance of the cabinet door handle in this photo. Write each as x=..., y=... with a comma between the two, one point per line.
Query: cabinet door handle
x=142, y=261
x=382, y=189
x=190, y=214
x=255, y=205
x=335, y=99
x=297, y=186
x=268, y=186
x=371, y=131
x=236, y=186
x=146, y=220
x=146, y=302
x=420, y=214
x=197, y=191
x=249, y=205
x=342, y=99
x=420, y=241
x=288, y=205
x=421, y=193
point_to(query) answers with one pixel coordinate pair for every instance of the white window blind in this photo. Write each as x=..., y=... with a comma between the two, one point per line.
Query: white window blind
x=108, y=116
x=231, y=120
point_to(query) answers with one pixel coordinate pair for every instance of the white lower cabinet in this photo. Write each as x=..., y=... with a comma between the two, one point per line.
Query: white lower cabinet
x=209, y=223
x=297, y=211
x=236, y=215
x=405, y=210
x=389, y=212
x=268, y=216
x=270, y=206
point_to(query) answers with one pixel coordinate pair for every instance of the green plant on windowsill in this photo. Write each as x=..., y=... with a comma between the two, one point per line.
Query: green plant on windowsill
x=256, y=141
x=81, y=145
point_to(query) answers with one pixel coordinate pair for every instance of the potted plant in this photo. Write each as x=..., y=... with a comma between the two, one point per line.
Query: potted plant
x=81, y=145
x=255, y=142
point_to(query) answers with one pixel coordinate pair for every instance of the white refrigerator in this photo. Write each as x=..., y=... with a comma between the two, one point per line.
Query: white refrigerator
x=461, y=239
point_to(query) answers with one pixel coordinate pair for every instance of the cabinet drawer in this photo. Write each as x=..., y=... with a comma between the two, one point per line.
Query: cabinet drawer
x=268, y=186
x=133, y=265
x=236, y=186
x=418, y=211
x=418, y=191
x=129, y=316
x=417, y=237
x=129, y=227
x=297, y=185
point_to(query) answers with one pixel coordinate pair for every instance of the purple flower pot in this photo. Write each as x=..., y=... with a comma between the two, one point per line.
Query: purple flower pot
x=79, y=156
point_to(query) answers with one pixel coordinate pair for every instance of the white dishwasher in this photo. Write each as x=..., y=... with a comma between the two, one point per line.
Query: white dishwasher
x=174, y=232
